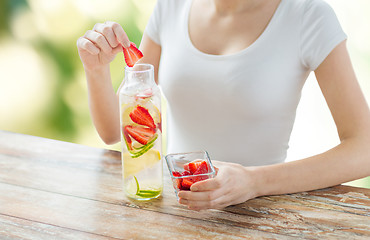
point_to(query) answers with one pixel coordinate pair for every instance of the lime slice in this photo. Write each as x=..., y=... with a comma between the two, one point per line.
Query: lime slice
x=135, y=191
x=146, y=193
x=143, y=149
x=137, y=185
x=131, y=166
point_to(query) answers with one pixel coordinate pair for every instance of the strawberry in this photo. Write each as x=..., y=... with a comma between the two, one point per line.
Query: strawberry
x=178, y=181
x=140, y=134
x=201, y=168
x=186, y=166
x=176, y=174
x=132, y=54
x=194, y=165
x=159, y=126
x=127, y=138
x=141, y=115
x=186, y=173
x=186, y=183
x=191, y=169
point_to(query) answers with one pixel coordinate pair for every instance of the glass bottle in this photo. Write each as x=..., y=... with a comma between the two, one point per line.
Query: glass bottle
x=141, y=133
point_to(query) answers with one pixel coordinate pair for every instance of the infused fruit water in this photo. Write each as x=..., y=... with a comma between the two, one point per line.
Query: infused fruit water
x=141, y=133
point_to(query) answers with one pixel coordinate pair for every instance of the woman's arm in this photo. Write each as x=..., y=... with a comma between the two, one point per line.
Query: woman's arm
x=97, y=48
x=348, y=161
x=351, y=158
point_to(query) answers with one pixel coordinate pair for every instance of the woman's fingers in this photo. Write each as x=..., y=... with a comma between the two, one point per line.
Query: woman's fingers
x=105, y=37
x=203, y=195
x=206, y=185
x=87, y=45
x=99, y=40
x=119, y=33
x=200, y=196
x=217, y=203
x=107, y=32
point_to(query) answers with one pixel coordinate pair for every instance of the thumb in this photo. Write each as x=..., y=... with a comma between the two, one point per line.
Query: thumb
x=216, y=169
x=117, y=49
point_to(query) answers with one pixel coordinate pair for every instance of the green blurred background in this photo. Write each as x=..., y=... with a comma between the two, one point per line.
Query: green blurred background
x=43, y=90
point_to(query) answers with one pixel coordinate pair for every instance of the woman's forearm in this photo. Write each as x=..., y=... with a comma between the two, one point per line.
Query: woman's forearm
x=103, y=104
x=348, y=161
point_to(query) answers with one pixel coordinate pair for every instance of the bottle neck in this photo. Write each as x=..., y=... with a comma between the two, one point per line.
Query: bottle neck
x=139, y=78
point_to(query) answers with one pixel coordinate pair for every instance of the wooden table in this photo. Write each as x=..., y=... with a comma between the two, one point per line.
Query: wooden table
x=57, y=190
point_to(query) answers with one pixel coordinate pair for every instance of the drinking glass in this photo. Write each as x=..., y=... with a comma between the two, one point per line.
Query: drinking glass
x=182, y=177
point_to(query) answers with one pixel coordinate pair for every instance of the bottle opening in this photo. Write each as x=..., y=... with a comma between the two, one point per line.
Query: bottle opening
x=140, y=67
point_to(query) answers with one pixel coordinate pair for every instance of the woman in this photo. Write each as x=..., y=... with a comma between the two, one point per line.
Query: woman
x=232, y=72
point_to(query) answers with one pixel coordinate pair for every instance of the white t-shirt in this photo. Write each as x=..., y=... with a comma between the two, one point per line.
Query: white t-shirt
x=240, y=107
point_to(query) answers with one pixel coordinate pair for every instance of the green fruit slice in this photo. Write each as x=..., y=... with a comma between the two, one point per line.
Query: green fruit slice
x=145, y=193
x=137, y=152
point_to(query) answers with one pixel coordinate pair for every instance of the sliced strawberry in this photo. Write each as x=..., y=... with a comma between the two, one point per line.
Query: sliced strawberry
x=176, y=174
x=194, y=165
x=178, y=181
x=127, y=138
x=201, y=168
x=159, y=126
x=141, y=115
x=186, y=166
x=200, y=178
x=147, y=93
x=186, y=183
x=140, y=134
x=186, y=173
x=132, y=55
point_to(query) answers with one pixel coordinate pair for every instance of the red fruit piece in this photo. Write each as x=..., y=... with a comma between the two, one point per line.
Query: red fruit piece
x=186, y=183
x=186, y=173
x=200, y=178
x=176, y=174
x=147, y=93
x=140, y=134
x=186, y=166
x=132, y=55
x=141, y=115
x=178, y=180
x=195, y=165
x=127, y=138
x=201, y=168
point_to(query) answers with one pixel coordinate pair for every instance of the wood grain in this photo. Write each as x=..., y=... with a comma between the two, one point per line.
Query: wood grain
x=112, y=220
x=50, y=176
x=18, y=228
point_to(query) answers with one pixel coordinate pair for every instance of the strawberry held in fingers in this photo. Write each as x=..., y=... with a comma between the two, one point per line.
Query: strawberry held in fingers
x=132, y=55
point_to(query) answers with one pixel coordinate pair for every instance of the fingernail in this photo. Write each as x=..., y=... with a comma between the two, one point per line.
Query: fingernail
x=126, y=44
x=194, y=189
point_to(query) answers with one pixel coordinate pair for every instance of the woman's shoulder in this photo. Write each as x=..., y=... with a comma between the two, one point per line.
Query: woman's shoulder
x=319, y=6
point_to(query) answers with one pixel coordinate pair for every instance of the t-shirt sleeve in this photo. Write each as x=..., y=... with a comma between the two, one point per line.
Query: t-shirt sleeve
x=321, y=32
x=153, y=27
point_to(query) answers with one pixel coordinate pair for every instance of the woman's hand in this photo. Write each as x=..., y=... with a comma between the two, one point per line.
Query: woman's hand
x=233, y=184
x=99, y=46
